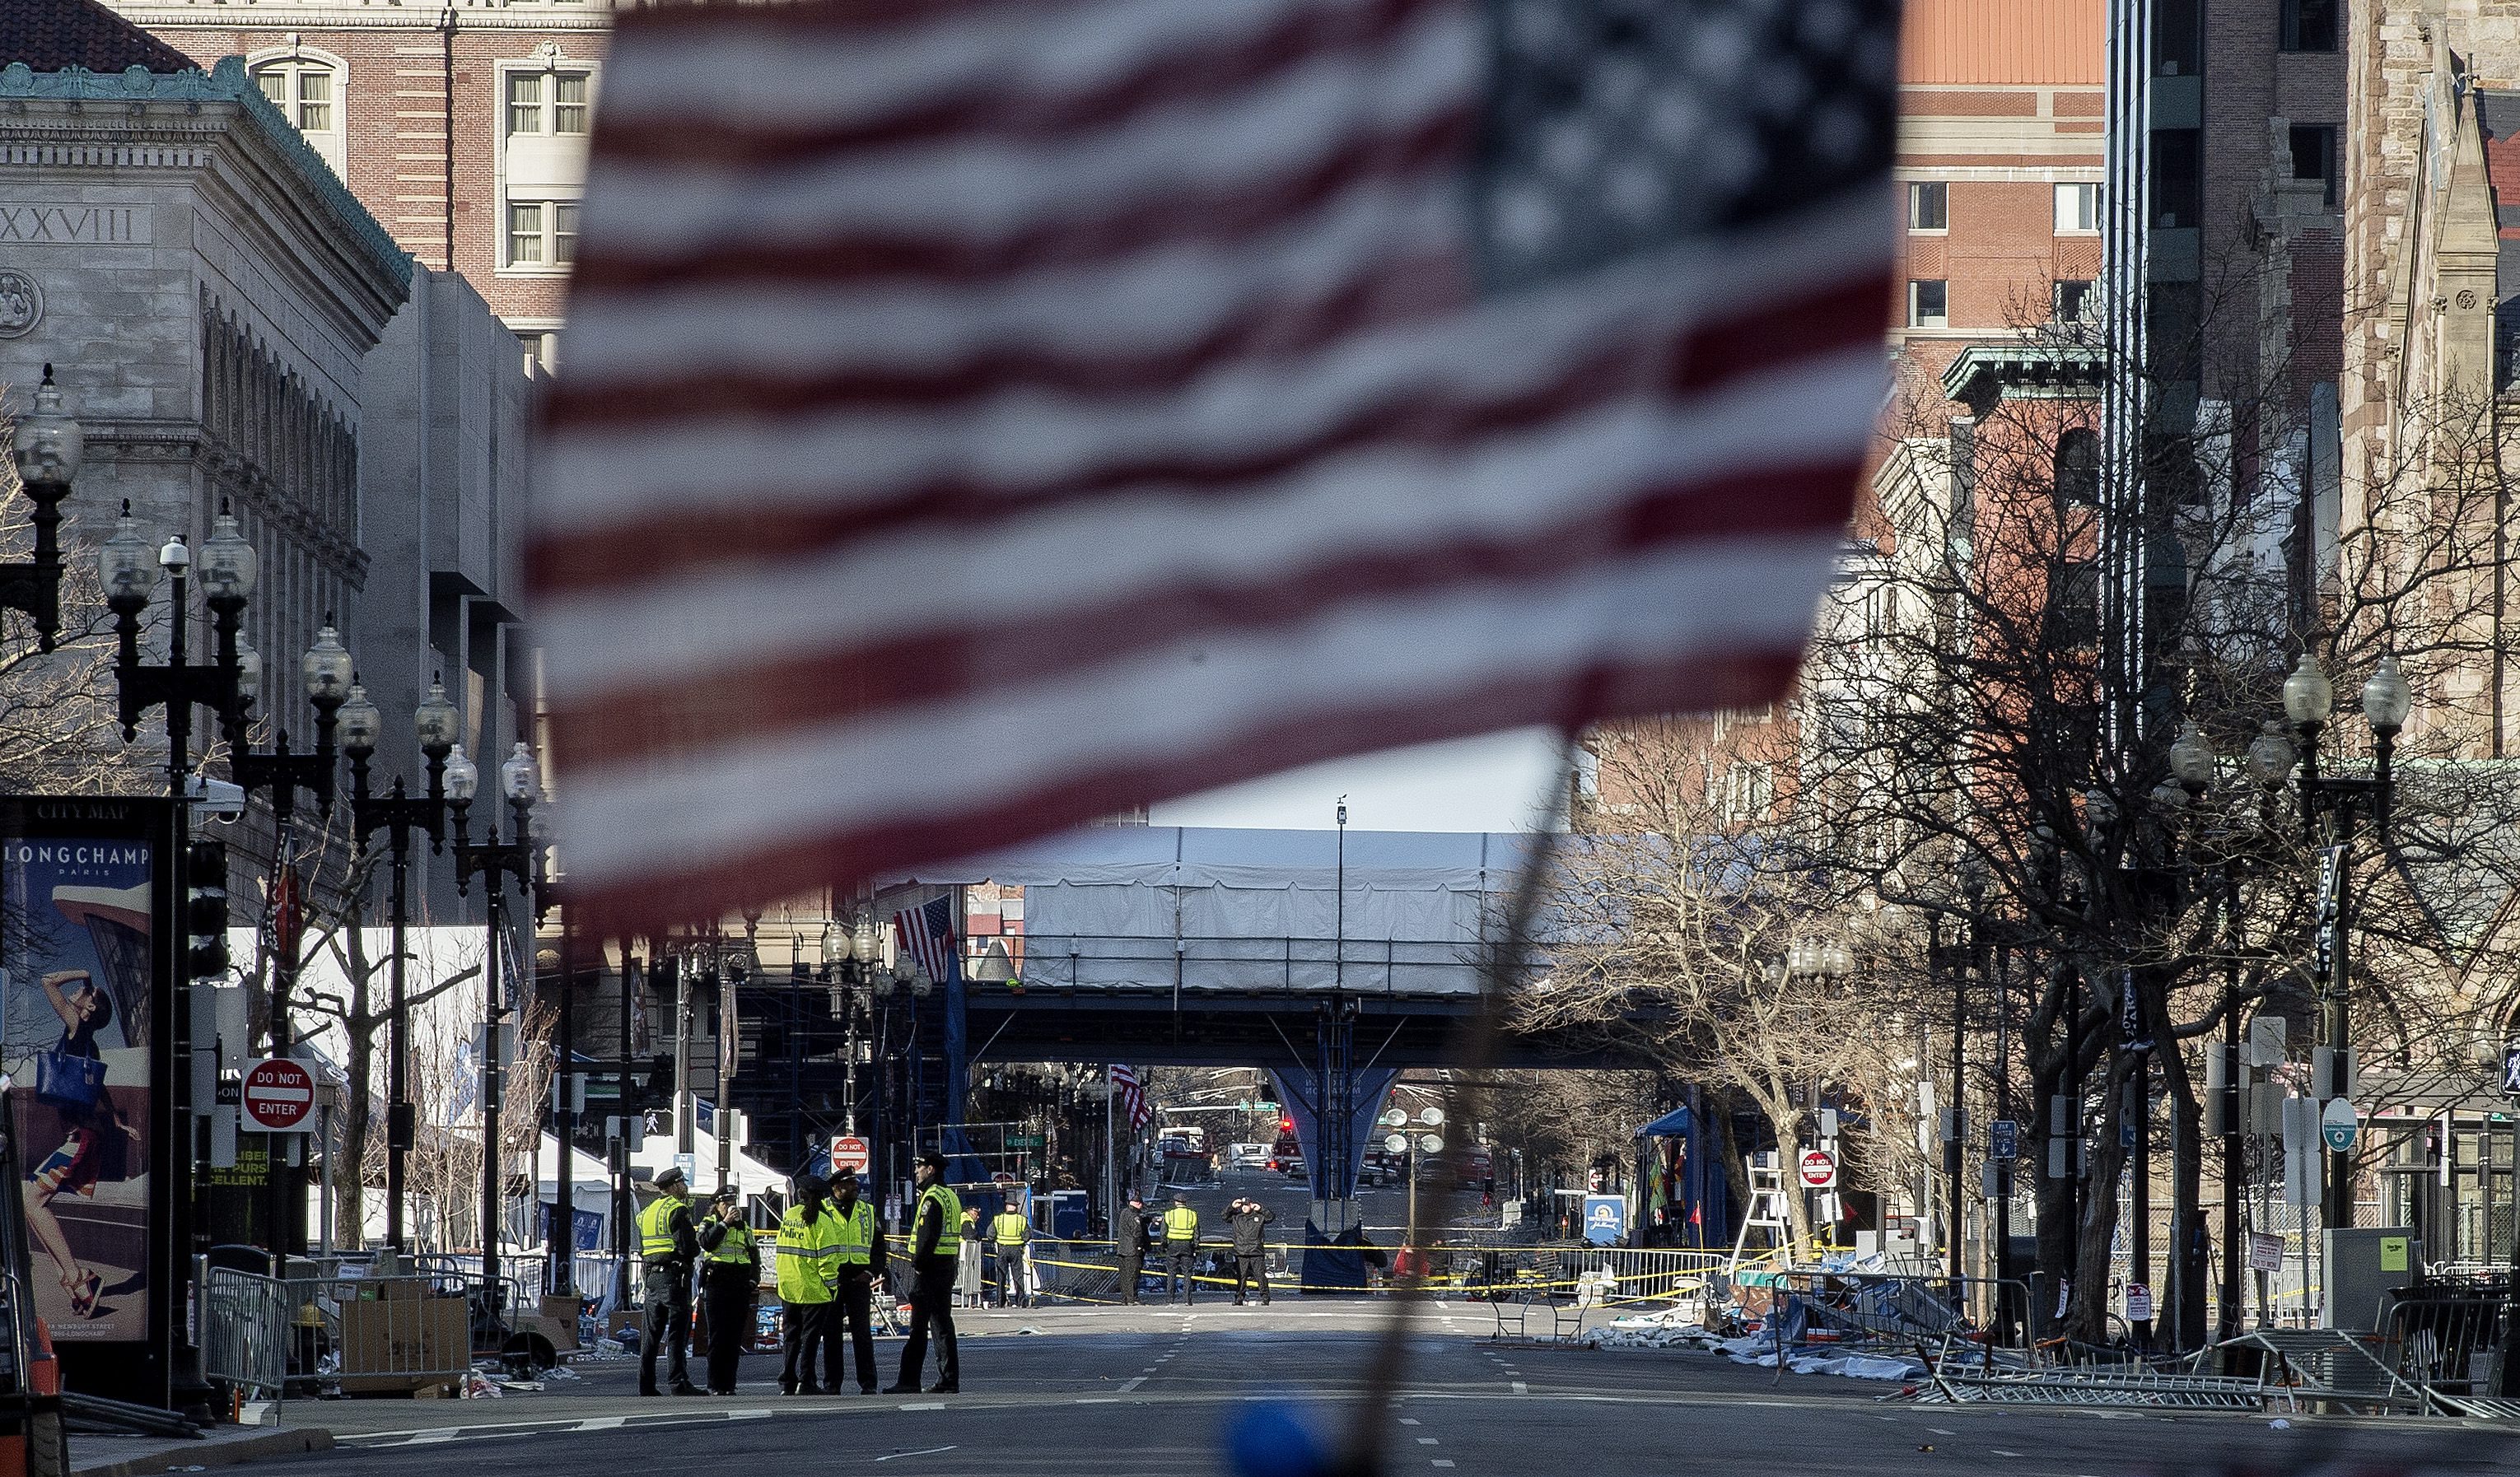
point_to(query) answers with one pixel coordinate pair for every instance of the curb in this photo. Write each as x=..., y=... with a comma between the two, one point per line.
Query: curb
x=214, y=1452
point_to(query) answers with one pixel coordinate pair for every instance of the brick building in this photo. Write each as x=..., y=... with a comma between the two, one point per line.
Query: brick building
x=1999, y=162
x=462, y=128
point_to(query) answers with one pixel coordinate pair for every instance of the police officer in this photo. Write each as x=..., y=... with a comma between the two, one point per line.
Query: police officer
x=1129, y=1238
x=1181, y=1248
x=1010, y=1231
x=858, y=1259
x=668, y=1245
x=730, y=1278
x=1250, y=1220
x=935, y=1245
x=808, y=1260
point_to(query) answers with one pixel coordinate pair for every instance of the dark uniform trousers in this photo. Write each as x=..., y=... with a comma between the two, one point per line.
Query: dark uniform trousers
x=668, y=1327
x=1133, y=1267
x=850, y=1316
x=1183, y=1259
x=727, y=1303
x=1251, y=1267
x=931, y=1307
x=803, y=1328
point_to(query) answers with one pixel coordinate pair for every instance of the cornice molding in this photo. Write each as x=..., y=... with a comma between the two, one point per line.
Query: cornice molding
x=561, y=16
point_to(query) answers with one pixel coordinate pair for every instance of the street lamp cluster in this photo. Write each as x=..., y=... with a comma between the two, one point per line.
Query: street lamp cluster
x=48, y=449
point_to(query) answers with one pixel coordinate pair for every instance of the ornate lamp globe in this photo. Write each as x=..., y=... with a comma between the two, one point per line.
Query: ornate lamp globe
x=249, y=671
x=2385, y=698
x=2309, y=698
x=516, y=774
x=326, y=669
x=434, y=721
x=360, y=723
x=48, y=443
x=229, y=564
x=2271, y=755
x=462, y=777
x=123, y=565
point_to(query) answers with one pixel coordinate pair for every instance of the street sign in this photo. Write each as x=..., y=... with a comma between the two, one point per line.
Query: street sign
x=2511, y=1069
x=2266, y=1252
x=1395, y=1144
x=1604, y=1218
x=2004, y=1137
x=2138, y=1302
x=279, y=1095
x=849, y=1154
x=2337, y=1123
x=1431, y=1144
x=1819, y=1169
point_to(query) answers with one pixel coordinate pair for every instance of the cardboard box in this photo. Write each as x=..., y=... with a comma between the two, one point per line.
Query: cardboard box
x=397, y=1346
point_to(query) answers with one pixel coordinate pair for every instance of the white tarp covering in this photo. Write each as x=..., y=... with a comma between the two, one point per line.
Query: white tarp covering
x=1228, y=909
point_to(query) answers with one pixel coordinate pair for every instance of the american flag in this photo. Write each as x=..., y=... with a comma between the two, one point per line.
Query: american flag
x=1130, y=1096
x=926, y=934
x=985, y=415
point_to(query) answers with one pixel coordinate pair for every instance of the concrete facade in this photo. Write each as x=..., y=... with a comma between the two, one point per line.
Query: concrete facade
x=208, y=298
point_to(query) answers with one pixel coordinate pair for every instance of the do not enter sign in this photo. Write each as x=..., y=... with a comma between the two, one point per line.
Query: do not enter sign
x=279, y=1095
x=849, y=1154
x=1819, y=1169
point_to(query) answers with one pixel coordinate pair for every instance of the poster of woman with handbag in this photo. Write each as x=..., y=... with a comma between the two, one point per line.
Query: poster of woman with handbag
x=78, y=930
x=74, y=1072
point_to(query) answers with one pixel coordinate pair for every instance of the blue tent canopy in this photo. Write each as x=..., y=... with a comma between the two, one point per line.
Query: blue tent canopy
x=1671, y=1125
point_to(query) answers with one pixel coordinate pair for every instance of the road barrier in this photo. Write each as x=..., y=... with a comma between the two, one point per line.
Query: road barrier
x=245, y=1332
x=376, y=1335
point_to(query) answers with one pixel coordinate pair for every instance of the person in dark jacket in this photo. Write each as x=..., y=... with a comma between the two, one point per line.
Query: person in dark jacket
x=1250, y=1220
x=935, y=1256
x=729, y=1280
x=1129, y=1238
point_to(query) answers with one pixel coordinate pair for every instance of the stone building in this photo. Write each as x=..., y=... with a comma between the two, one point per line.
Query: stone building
x=233, y=328
x=462, y=126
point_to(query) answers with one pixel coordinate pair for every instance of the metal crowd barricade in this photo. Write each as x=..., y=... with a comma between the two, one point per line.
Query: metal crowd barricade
x=1857, y=1307
x=245, y=1331
x=393, y=1335
x=2445, y=1333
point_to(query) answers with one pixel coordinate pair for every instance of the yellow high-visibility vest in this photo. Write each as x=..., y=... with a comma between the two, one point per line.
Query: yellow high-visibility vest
x=949, y=1233
x=809, y=1253
x=1011, y=1229
x=855, y=1232
x=735, y=1247
x=1181, y=1225
x=656, y=1227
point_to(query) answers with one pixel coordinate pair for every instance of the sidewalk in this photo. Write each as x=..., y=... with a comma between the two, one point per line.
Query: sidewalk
x=141, y=1455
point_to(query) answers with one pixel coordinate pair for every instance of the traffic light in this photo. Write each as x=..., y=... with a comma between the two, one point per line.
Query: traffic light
x=205, y=909
x=1285, y=1125
x=660, y=1077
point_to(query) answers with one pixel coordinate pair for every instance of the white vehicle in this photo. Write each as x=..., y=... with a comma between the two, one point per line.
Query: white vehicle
x=1249, y=1157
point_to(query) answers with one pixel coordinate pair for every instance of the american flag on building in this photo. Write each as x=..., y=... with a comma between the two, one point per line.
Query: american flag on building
x=926, y=934
x=985, y=415
x=1129, y=1096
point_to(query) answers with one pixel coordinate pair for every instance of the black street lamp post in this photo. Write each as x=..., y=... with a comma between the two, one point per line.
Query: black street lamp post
x=399, y=815
x=495, y=862
x=48, y=445
x=2309, y=700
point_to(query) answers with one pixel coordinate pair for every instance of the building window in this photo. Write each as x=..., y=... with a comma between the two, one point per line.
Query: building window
x=545, y=102
x=1749, y=792
x=542, y=233
x=2078, y=466
x=2077, y=208
x=1929, y=207
x=307, y=92
x=2178, y=178
x=2314, y=157
x=2308, y=25
x=2074, y=605
x=1927, y=305
x=2070, y=297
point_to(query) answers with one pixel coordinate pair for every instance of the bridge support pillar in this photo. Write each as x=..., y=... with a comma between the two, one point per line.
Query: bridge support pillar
x=1334, y=1102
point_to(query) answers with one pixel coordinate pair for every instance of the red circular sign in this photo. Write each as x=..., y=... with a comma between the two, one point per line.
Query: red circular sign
x=849, y=1154
x=1819, y=1169
x=279, y=1095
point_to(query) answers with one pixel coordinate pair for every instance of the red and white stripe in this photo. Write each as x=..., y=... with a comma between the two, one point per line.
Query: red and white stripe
x=983, y=415
x=927, y=935
x=1130, y=1096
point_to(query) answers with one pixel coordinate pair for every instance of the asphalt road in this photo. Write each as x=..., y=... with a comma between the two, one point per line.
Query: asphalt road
x=1111, y=1393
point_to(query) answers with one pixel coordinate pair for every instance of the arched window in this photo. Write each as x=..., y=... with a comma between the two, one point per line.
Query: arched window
x=307, y=90
x=2078, y=468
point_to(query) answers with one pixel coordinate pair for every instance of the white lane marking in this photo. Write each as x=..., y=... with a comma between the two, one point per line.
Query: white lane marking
x=1428, y=1441
x=1939, y=1431
x=2016, y=1456
x=1519, y=1388
x=1410, y=1420
x=1100, y=1400
x=930, y=1451
x=431, y=1437
x=925, y=1404
x=1133, y=1384
x=609, y=1422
